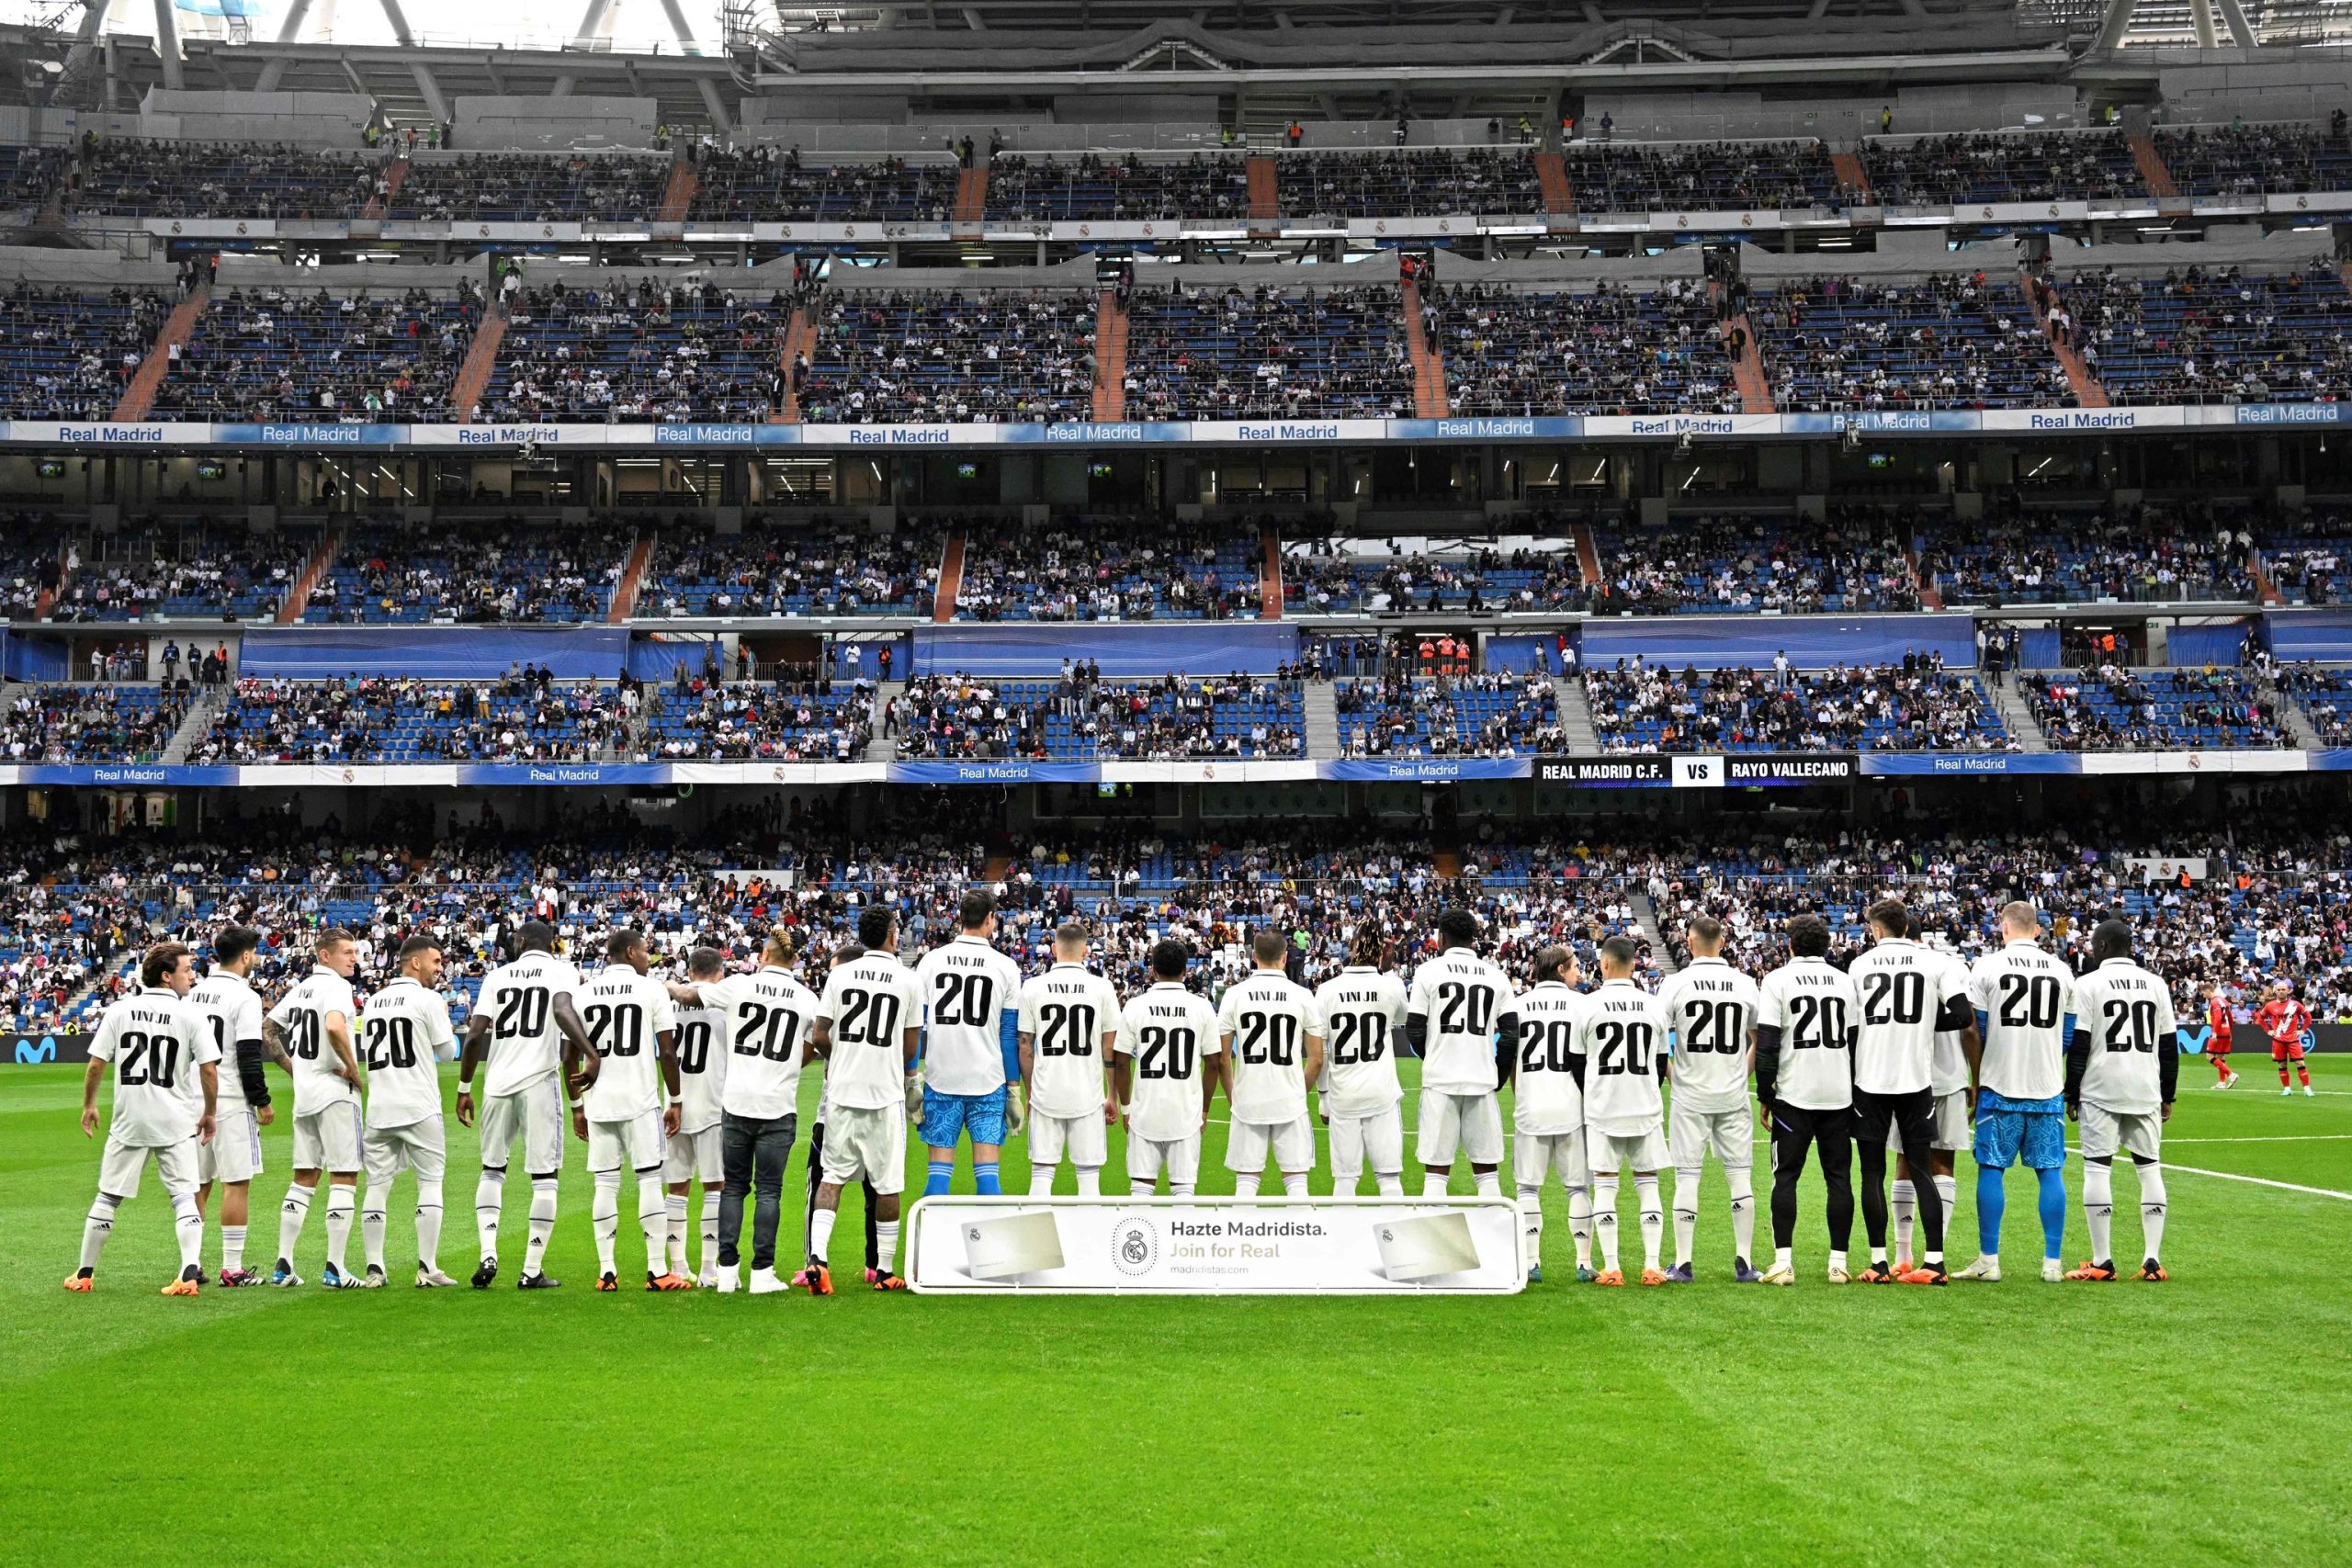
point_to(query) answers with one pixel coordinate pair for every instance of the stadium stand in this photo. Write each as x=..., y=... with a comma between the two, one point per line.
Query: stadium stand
x=761, y=184
x=1717, y=176
x=67, y=354
x=1267, y=351
x=951, y=357
x=1047, y=189
x=2221, y=334
x=1748, y=563
x=2124, y=710
x=642, y=353
x=271, y=354
x=1617, y=350
x=1966, y=169
x=1503, y=715
x=1387, y=185
x=1092, y=573
x=1915, y=706
x=384, y=719
x=2061, y=554
x=90, y=724
x=1518, y=574
x=2249, y=160
x=745, y=722
x=202, y=569
x=527, y=187
x=1083, y=716
x=823, y=569
x=1951, y=341
x=128, y=177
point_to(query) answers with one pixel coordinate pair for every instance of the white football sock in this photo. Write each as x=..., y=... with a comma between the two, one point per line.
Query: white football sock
x=677, y=1210
x=295, y=1208
x=428, y=1224
x=821, y=1239
x=1180, y=1189
x=535, y=1249
x=1784, y=1258
x=1433, y=1183
x=1838, y=1260
x=1604, y=1219
x=1390, y=1184
x=654, y=1219
x=342, y=1201
x=1041, y=1179
x=1948, y=1188
x=2098, y=1206
x=1878, y=1254
x=233, y=1247
x=1531, y=1227
x=1489, y=1183
x=605, y=1212
x=373, y=1211
x=1742, y=1181
x=2152, y=1210
x=1686, y=1212
x=1903, y=1197
x=1653, y=1213
x=710, y=1199
x=1294, y=1184
x=490, y=1195
x=187, y=1220
x=1580, y=1223
x=885, y=1244
x=97, y=1228
x=1089, y=1181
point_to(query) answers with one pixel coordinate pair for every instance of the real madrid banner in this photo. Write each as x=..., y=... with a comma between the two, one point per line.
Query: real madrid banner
x=974, y=1245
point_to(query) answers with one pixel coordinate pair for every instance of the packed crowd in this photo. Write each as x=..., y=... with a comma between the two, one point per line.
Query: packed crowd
x=1266, y=353
x=1423, y=182
x=1744, y=563
x=643, y=353
x=2325, y=694
x=941, y=357
x=1977, y=167
x=1171, y=569
x=1716, y=176
x=745, y=721
x=527, y=717
x=823, y=569
x=1328, y=576
x=273, y=354
x=1917, y=706
x=2256, y=160
x=762, y=185
x=1951, y=341
x=89, y=724
x=1047, y=189
x=201, y=567
x=2118, y=709
x=525, y=188
x=132, y=178
x=2075, y=555
x=1081, y=714
x=1618, y=350
x=501, y=570
x=1499, y=714
x=2212, y=335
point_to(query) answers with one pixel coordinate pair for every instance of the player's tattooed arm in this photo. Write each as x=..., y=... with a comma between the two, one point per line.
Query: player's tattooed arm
x=579, y=1051
x=338, y=1033
x=273, y=1043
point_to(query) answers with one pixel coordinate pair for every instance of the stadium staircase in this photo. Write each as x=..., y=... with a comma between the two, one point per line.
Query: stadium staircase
x=881, y=750
x=1265, y=190
x=634, y=745
x=1270, y=573
x=951, y=580
x=1587, y=555
x=2265, y=590
x=2085, y=387
x=395, y=176
x=481, y=358
x=2010, y=704
x=140, y=395
x=1747, y=370
x=196, y=725
x=1551, y=176
x=799, y=338
x=971, y=196
x=2298, y=723
x=1109, y=358
x=1576, y=719
x=1930, y=596
x=1645, y=917
x=678, y=195
x=1851, y=175
x=305, y=585
x=1428, y=362
x=1322, y=714
x=631, y=582
x=2152, y=172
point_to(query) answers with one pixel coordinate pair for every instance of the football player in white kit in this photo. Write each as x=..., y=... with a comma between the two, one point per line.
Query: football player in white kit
x=1712, y=1009
x=1909, y=996
x=223, y=1002
x=2025, y=1017
x=1161, y=1072
x=967, y=987
x=693, y=1152
x=633, y=1028
x=1547, y=1107
x=1805, y=1078
x=1274, y=1052
x=311, y=1030
x=1954, y=1108
x=405, y=1036
x=1619, y=1057
x=1068, y=1021
x=1364, y=1024
x=525, y=1023
x=1457, y=999
x=869, y=1026
x=2121, y=1073
x=166, y=1077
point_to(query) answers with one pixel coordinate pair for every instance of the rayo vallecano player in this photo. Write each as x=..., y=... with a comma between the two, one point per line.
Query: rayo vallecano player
x=1547, y=1107
x=693, y=1152
x=524, y=1022
x=1273, y=1043
x=1458, y=1001
x=1069, y=1020
x=1909, y=996
x=2121, y=1072
x=1161, y=1071
x=405, y=1036
x=1364, y=1024
x=223, y=1002
x=1712, y=1009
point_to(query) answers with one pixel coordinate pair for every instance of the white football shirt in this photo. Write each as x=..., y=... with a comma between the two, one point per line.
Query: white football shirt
x=1621, y=1035
x=2025, y=998
x=402, y=1038
x=302, y=1013
x=156, y=1048
x=1950, y=1072
x=1266, y=1021
x=1815, y=1010
x=626, y=1014
x=1364, y=1022
x=1902, y=987
x=526, y=1044
x=871, y=1003
x=701, y=1066
x=1170, y=1033
x=1712, y=1009
x=966, y=986
x=230, y=1012
x=1545, y=1098
x=2127, y=1014
x=1069, y=1015
x=1462, y=996
x=767, y=1019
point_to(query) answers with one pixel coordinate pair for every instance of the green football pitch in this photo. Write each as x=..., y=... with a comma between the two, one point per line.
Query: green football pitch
x=2201, y=1421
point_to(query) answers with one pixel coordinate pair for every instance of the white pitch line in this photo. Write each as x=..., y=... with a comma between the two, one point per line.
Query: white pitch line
x=2263, y=1182
x=2281, y=1138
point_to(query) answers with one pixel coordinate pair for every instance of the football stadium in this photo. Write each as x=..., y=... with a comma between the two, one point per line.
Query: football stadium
x=1285, y=782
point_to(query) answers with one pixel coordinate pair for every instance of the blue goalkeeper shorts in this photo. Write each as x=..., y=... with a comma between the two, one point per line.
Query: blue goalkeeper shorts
x=2004, y=1136
x=946, y=1117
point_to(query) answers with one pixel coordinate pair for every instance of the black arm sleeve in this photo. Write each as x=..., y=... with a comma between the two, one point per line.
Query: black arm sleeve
x=2079, y=1062
x=1506, y=1048
x=249, y=1073
x=1954, y=1015
x=1768, y=1059
x=1417, y=1033
x=2168, y=1067
x=1576, y=1067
